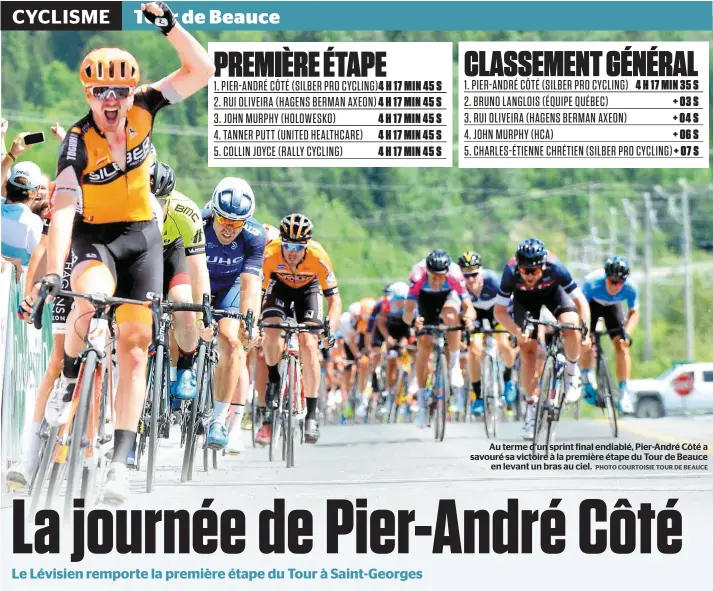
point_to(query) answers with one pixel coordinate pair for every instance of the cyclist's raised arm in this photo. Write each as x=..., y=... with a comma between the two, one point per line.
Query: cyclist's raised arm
x=196, y=66
x=67, y=194
x=582, y=307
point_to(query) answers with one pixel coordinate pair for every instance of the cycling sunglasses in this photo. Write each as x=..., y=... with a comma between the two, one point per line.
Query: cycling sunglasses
x=104, y=92
x=223, y=221
x=530, y=270
x=614, y=281
x=294, y=246
x=472, y=274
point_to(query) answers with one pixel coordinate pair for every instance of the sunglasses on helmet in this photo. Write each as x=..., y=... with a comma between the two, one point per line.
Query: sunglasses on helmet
x=105, y=92
x=529, y=270
x=294, y=246
x=223, y=221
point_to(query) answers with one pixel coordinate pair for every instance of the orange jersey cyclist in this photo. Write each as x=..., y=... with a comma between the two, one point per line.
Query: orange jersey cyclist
x=103, y=176
x=297, y=270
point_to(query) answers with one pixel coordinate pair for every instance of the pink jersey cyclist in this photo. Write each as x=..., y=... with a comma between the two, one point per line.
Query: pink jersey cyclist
x=431, y=300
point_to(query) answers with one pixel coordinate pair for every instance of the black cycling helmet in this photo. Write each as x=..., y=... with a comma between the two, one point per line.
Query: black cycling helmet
x=387, y=290
x=438, y=261
x=163, y=181
x=469, y=260
x=617, y=267
x=296, y=227
x=531, y=253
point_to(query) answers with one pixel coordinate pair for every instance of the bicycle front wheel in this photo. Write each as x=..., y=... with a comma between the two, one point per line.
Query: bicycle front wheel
x=79, y=426
x=543, y=412
x=192, y=429
x=486, y=380
x=289, y=414
x=606, y=391
x=443, y=397
x=156, y=395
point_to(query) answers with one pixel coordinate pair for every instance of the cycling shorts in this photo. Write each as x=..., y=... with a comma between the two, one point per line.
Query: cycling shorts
x=557, y=301
x=227, y=297
x=175, y=269
x=131, y=250
x=279, y=299
x=431, y=304
x=613, y=317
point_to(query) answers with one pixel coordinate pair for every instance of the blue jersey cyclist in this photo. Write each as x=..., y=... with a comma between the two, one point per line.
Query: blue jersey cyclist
x=534, y=277
x=606, y=290
x=483, y=286
x=235, y=245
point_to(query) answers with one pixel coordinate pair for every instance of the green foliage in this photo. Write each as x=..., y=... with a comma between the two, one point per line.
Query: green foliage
x=374, y=222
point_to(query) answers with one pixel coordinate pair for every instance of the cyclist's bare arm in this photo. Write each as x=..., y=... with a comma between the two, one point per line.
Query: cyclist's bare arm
x=37, y=266
x=67, y=194
x=200, y=280
x=409, y=309
x=632, y=321
x=334, y=311
x=381, y=326
x=582, y=306
x=195, y=71
x=501, y=315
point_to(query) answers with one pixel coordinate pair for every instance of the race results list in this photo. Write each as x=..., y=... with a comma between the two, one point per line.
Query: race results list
x=583, y=105
x=331, y=104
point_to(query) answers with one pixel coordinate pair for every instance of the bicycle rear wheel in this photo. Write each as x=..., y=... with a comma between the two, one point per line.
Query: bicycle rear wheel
x=606, y=391
x=209, y=403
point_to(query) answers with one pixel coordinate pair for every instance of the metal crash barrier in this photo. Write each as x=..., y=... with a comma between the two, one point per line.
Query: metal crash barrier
x=22, y=364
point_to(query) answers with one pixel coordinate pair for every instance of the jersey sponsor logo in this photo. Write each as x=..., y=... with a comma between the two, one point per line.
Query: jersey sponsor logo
x=105, y=174
x=217, y=260
x=189, y=212
x=309, y=313
x=72, y=145
x=331, y=278
x=251, y=230
x=136, y=156
x=198, y=236
x=255, y=270
x=233, y=245
x=280, y=303
x=281, y=267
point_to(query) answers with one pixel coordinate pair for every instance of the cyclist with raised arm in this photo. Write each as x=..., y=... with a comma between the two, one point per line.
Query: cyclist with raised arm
x=534, y=278
x=438, y=287
x=104, y=175
x=483, y=286
x=235, y=247
x=605, y=291
x=297, y=270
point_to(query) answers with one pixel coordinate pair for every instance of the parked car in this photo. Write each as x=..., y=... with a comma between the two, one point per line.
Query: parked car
x=658, y=397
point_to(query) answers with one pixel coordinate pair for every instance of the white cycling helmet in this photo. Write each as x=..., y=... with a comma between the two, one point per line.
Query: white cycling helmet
x=233, y=199
x=399, y=290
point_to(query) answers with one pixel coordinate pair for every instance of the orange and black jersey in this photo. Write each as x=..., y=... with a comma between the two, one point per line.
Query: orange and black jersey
x=315, y=267
x=110, y=194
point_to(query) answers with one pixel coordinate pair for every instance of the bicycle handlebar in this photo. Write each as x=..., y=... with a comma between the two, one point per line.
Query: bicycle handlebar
x=291, y=327
x=556, y=326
